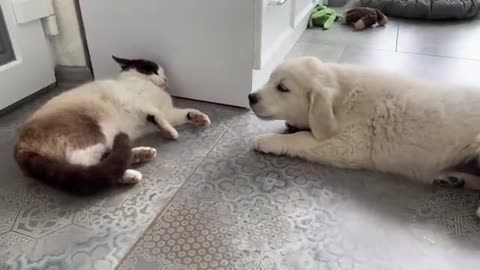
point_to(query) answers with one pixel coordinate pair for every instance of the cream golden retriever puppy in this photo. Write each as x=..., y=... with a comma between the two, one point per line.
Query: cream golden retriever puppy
x=370, y=119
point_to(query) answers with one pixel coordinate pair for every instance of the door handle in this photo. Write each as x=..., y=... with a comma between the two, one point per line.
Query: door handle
x=276, y=2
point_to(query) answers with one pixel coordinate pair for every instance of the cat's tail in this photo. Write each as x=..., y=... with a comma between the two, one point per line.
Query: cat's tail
x=79, y=179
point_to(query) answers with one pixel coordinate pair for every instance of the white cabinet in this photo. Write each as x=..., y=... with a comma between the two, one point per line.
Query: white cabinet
x=302, y=8
x=279, y=25
x=274, y=24
x=213, y=50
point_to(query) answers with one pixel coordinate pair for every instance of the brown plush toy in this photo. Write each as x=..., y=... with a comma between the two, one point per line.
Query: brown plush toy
x=364, y=17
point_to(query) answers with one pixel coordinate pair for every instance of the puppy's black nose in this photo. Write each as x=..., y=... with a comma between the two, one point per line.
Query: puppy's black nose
x=252, y=98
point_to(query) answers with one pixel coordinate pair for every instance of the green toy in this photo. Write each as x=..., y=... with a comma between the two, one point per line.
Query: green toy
x=323, y=16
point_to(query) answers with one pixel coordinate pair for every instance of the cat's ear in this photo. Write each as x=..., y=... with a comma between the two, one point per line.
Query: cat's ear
x=124, y=63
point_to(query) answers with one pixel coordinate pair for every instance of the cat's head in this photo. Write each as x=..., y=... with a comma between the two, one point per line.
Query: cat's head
x=144, y=68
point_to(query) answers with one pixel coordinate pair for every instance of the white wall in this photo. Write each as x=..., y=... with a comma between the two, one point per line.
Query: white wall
x=68, y=47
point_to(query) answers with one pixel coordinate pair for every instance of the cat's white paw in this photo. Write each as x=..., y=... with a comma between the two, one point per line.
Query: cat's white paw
x=200, y=119
x=143, y=154
x=130, y=177
x=170, y=133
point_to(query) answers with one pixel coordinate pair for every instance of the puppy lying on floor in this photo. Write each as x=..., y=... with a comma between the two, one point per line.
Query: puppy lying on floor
x=371, y=119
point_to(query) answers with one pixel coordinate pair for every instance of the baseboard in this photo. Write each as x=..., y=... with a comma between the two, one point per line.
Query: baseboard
x=73, y=75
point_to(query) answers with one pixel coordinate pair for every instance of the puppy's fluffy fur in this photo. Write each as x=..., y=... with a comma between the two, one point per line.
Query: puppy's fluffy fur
x=79, y=141
x=371, y=119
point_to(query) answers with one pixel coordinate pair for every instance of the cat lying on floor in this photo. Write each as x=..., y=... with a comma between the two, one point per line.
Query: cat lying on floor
x=80, y=141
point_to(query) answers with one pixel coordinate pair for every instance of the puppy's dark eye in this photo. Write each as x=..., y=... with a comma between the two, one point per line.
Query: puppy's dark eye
x=155, y=72
x=282, y=88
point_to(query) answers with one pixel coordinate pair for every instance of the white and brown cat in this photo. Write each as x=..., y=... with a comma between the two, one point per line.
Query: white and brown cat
x=80, y=141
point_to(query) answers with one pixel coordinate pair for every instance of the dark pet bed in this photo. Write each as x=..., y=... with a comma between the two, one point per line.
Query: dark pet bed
x=423, y=9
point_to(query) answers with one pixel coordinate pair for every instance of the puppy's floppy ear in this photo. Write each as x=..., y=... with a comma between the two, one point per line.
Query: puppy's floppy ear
x=124, y=63
x=321, y=118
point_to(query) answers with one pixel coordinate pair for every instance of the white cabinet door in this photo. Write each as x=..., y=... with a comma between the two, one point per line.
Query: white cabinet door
x=206, y=48
x=278, y=26
x=25, y=60
x=274, y=25
x=302, y=9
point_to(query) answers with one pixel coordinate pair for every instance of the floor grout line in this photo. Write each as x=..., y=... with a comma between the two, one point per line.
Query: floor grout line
x=398, y=37
x=413, y=53
x=440, y=56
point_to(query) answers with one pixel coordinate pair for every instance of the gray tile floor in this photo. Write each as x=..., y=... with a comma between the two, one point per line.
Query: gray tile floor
x=209, y=202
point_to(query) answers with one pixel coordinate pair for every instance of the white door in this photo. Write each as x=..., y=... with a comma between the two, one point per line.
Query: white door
x=26, y=64
x=206, y=46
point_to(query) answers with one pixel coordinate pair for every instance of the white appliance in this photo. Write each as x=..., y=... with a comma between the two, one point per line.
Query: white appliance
x=213, y=50
x=26, y=65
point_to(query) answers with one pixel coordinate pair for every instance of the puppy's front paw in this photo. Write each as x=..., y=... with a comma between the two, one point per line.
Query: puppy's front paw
x=270, y=144
x=198, y=118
